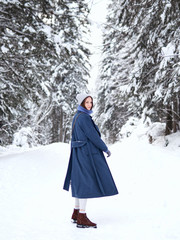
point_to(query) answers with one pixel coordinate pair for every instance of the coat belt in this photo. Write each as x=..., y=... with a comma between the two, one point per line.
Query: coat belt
x=76, y=144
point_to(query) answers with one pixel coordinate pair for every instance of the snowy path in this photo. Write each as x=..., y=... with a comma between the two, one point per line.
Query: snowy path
x=33, y=205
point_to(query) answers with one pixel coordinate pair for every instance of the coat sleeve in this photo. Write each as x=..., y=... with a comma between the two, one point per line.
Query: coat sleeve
x=91, y=133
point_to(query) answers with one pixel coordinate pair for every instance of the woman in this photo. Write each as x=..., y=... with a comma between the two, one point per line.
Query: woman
x=88, y=171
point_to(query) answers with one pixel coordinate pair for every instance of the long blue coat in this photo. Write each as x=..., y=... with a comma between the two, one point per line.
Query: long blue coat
x=88, y=172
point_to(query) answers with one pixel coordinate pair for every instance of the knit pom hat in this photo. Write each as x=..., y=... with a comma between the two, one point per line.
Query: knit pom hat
x=81, y=96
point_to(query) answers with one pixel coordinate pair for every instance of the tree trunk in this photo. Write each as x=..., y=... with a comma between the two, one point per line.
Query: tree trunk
x=178, y=110
x=61, y=125
x=175, y=114
x=168, y=120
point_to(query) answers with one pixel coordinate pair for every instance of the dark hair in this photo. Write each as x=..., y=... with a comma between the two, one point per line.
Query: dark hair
x=83, y=102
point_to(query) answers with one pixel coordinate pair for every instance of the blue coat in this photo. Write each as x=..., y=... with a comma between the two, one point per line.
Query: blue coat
x=88, y=172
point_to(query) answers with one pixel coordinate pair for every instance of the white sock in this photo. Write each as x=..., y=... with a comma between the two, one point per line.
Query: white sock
x=76, y=203
x=82, y=205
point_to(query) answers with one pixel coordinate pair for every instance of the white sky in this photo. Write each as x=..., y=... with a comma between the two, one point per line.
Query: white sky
x=97, y=17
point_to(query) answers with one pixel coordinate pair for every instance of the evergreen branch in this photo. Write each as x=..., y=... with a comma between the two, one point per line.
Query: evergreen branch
x=16, y=31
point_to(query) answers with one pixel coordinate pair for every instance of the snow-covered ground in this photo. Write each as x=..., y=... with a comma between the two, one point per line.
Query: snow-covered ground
x=33, y=205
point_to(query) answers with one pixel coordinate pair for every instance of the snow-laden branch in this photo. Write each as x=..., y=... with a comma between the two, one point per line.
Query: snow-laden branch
x=172, y=55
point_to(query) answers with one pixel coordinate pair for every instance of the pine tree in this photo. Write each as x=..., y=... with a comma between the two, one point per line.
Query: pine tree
x=71, y=73
x=44, y=63
x=118, y=58
x=137, y=79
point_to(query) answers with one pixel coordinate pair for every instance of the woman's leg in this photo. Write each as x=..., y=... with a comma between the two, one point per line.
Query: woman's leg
x=76, y=211
x=76, y=203
x=82, y=205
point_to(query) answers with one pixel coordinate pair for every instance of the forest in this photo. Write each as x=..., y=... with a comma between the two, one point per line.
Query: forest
x=44, y=64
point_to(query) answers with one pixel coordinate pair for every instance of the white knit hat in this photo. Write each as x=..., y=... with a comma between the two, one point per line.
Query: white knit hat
x=81, y=96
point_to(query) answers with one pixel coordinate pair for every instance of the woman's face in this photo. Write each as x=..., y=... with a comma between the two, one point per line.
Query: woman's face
x=88, y=103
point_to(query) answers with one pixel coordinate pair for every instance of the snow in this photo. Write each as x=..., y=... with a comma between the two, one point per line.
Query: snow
x=47, y=30
x=163, y=15
x=34, y=206
x=4, y=49
x=12, y=1
x=30, y=29
x=167, y=53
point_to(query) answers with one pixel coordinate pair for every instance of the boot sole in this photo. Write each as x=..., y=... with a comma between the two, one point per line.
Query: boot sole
x=85, y=226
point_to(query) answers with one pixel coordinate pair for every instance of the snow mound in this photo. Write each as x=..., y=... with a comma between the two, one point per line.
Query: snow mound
x=129, y=127
x=154, y=133
x=24, y=137
x=173, y=140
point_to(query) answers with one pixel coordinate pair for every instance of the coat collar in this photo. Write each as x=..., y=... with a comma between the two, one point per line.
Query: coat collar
x=81, y=109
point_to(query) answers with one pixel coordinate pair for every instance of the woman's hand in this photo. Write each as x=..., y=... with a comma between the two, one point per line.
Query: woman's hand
x=108, y=153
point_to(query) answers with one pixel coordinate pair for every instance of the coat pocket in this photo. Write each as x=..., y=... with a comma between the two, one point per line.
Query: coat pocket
x=92, y=149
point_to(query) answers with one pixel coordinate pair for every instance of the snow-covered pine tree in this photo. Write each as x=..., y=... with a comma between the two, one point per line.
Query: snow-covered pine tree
x=25, y=65
x=43, y=62
x=167, y=77
x=157, y=84
x=119, y=51
x=136, y=78
x=71, y=71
